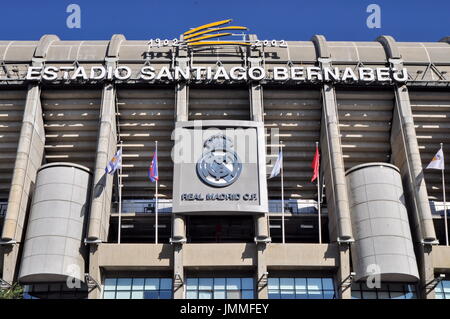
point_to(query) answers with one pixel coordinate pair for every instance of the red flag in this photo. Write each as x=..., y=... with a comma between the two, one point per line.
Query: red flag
x=315, y=164
x=153, y=169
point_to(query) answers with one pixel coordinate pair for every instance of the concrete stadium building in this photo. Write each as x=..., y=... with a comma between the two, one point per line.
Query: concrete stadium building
x=67, y=106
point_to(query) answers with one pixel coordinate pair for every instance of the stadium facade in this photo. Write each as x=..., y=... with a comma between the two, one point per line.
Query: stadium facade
x=379, y=111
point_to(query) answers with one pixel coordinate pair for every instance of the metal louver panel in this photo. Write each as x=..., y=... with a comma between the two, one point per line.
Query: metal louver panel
x=365, y=119
x=12, y=104
x=71, y=121
x=296, y=114
x=431, y=112
x=144, y=117
x=219, y=104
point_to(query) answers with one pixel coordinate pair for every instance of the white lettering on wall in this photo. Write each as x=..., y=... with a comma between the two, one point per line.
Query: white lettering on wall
x=165, y=73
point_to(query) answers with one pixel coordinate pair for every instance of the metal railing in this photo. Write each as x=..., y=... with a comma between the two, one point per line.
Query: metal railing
x=165, y=206
x=145, y=206
x=294, y=206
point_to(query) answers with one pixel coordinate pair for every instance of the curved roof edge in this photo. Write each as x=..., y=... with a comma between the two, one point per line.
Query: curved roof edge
x=54, y=50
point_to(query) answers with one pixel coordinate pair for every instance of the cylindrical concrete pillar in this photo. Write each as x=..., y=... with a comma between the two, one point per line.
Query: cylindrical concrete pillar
x=54, y=248
x=383, y=243
x=179, y=228
x=262, y=231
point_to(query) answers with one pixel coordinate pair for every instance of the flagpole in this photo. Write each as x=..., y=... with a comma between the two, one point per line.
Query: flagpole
x=318, y=201
x=119, y=178
x=156, y=200
x=445, y=201
x=282, y=195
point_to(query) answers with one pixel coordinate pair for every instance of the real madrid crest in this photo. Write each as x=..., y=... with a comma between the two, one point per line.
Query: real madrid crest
x=219, y=165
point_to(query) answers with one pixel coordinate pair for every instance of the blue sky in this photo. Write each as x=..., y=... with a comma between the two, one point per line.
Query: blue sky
x=275, y=19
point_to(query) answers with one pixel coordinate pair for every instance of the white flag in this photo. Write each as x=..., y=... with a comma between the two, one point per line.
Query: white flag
x=277, y=167
x=114, y=163
x=438, y=161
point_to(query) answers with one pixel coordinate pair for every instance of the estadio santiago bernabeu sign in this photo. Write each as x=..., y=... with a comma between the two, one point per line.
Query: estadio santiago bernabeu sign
x=218, y=73
x=201, y=37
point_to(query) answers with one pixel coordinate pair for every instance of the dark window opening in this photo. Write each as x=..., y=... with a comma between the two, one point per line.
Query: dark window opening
x=220, y=229
x=140, y=228
x=439, y=226
x=298, y=229
x=218, y=103
x=54, y=291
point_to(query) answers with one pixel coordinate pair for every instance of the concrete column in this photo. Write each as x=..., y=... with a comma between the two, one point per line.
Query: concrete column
x=332, y=157
x=182, y=89
x=261, y=271
x=181, y=101
x=103, y=183
x=106, y=147
x=426, y=271
x=179, y=225
x=178, y=272
x=262, y=239
x=178, y=238
x=405, y=150
x=102, y=187
x=333, y=166
x=256, y=93
x=343, y=279
x=255, y=88
x=29, y=157
x=406, y=156
x=95, y=273
x=256, y=101
x=261, y=223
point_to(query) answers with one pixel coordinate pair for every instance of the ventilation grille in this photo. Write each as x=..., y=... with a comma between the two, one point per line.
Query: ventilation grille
x=219, y=104
x=365, y=119
x=146, y=116
x=431, y=112
x=71, y=122
x=12, y=104
x=296, y=114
